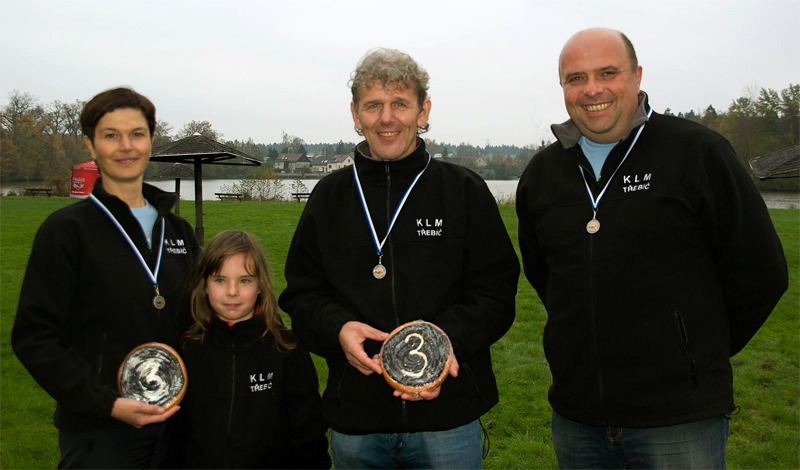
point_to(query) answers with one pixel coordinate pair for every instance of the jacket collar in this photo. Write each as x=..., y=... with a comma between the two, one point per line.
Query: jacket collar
x=240, y=333
x=568, y=134
x=161, y=200
x=402, y=170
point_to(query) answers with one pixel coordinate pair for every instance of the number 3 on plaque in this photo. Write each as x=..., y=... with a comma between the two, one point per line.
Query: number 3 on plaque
x=416, y=352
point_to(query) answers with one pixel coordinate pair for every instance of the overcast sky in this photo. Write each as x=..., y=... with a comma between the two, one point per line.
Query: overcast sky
x=257, y=68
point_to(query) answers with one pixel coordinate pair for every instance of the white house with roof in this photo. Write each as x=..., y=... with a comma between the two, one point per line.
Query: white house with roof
x=339, y=161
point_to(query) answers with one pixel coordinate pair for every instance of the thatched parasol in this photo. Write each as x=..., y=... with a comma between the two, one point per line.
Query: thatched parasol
x=783, y=163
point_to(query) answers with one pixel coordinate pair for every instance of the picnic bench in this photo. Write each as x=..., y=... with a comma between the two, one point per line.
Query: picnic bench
x=300, y=196
x=223, y=196
x=35, y=191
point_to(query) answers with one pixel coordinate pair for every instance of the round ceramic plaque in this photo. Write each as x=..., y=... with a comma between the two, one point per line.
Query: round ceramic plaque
x=416, y=357
x=153, y=373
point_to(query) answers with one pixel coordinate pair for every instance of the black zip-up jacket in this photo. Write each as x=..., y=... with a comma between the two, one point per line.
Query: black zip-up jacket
x=449, y=261
x=248, y=405
x=644, y=315
x=86, y=301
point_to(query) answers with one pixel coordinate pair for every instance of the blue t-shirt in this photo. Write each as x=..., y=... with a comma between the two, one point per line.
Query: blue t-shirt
x=596, y=153
x=147, y=219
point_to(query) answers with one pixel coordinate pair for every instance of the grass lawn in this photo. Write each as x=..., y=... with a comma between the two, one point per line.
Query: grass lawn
x=764, y=434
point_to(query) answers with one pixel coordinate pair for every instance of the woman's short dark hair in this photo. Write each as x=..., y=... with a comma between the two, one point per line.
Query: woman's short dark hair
x=111, y=100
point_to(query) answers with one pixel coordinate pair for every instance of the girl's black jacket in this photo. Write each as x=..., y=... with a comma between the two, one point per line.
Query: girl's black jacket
x=644, y=315
x=449, y=261
x=248, y=405
x=86, y=301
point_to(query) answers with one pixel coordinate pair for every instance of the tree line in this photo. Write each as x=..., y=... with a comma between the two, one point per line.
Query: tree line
x=41, y=142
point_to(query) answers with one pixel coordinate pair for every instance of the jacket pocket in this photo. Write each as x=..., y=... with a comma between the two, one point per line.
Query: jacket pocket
x=684, y=344
x=474, y=381
x=102, y=354
x=339, y=385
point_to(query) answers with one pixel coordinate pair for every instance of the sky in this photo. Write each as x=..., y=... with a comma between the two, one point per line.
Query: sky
x=258, y=68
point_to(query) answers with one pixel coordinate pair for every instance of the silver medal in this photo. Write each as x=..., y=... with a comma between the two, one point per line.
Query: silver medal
x=593, y=226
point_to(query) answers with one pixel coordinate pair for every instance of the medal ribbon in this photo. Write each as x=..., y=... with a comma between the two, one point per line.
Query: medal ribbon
x=379, y=245
x=154, y=274
x=596, y=202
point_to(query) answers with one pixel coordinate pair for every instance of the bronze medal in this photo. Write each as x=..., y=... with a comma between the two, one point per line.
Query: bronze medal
x=379, y=271
x=159, y=302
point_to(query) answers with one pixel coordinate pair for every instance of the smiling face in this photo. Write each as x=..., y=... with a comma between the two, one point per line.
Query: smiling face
x=122, y=145
x=233, y=291
x=601, y=86
x=389, y=118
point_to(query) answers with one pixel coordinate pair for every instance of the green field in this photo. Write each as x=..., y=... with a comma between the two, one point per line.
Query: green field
x=764, y=434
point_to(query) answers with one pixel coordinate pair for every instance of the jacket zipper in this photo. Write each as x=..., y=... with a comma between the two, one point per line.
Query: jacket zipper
x=389, y=214
x=594, y=319
x=389, y=221
x=230, y=410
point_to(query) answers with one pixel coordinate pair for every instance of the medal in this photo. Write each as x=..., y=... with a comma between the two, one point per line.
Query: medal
x=379, y=271
x=593, y=226
x=158, y=301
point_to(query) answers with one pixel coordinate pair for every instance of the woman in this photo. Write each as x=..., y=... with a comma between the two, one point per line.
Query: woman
x=106, y=275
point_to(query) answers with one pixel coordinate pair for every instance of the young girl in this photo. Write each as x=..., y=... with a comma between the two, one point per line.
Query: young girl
x=252, y=398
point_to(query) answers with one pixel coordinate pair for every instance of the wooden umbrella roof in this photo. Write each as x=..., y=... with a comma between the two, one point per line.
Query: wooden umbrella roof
x=200, y=150
x=176, y=170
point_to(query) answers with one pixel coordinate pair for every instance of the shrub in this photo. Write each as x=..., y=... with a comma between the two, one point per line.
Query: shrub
x=59, y=185
x=259, y=184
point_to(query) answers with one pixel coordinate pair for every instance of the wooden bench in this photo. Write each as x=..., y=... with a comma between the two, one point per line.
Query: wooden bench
x=223, y=196
x=300, y=196
x=35, y=191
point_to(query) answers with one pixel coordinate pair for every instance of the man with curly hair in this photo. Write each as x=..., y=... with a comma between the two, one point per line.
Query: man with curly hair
x=395, y=238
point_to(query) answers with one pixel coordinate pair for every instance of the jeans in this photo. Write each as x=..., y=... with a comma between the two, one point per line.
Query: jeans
x=454, y=448
x=696, y=445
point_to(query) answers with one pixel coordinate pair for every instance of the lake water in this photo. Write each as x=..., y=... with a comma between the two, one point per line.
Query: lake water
x=502, y=190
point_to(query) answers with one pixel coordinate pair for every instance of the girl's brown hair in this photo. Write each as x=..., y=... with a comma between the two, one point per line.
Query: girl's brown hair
x=219, y=249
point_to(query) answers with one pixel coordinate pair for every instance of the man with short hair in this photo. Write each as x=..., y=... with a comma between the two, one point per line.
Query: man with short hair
x=656, y=259
x=395, y=238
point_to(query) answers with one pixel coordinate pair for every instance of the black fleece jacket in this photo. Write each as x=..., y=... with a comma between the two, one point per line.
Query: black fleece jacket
x=248, y=405
x=644, y=314
x=86, y=301
x=449, y=261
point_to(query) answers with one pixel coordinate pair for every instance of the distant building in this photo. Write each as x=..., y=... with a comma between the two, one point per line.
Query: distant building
x=473, y=163
x=319, y=164
x=291, y=162
x=339, y=161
